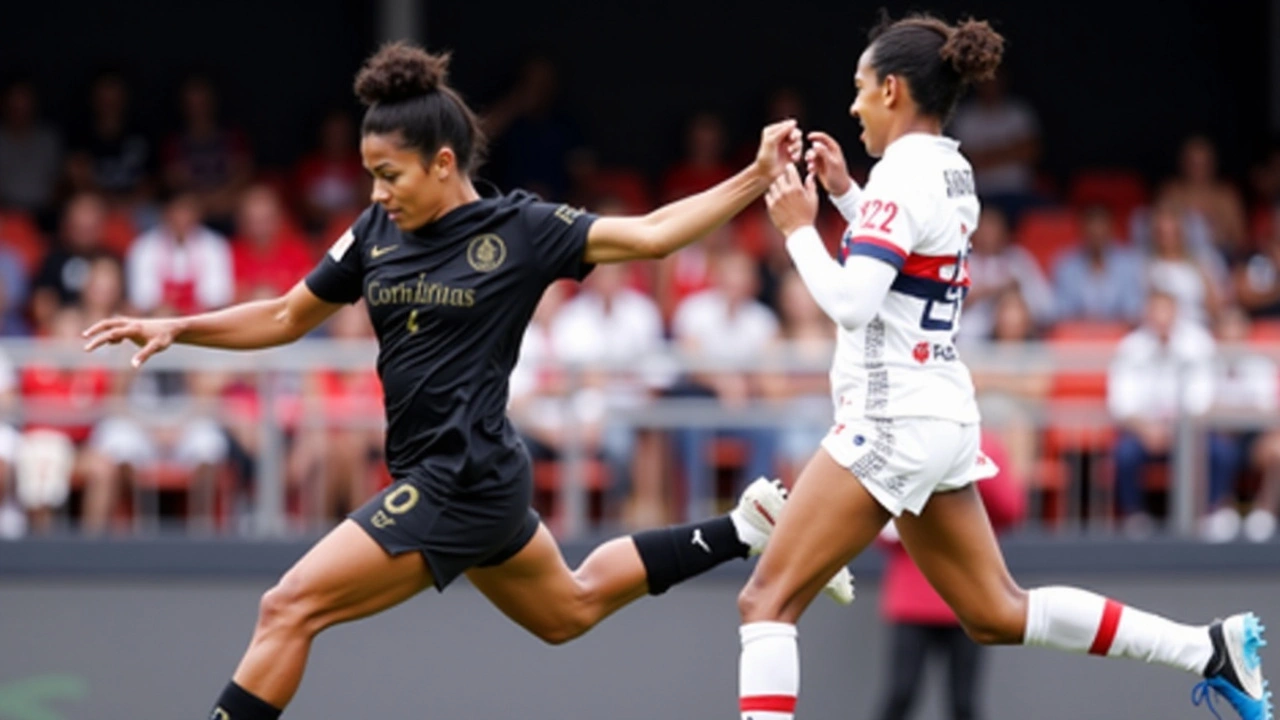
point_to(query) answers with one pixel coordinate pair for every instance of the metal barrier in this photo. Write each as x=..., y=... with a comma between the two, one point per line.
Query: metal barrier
x=1085, y=489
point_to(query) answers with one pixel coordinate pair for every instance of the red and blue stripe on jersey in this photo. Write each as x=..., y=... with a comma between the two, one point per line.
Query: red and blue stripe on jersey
x=919, y=276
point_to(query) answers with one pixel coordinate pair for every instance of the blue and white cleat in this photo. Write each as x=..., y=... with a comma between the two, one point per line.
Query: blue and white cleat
x=1235, y=670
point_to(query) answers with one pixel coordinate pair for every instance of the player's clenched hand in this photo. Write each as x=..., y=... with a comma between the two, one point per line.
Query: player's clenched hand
x=792, y=203
x=780, y=145
x=825, y=159
x=152, y=335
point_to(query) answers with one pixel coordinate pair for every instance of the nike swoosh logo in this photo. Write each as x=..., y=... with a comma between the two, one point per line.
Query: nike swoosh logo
x=377, y=252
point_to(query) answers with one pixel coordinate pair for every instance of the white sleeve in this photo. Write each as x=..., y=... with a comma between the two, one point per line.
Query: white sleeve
x=850, y=294
x=847, y=203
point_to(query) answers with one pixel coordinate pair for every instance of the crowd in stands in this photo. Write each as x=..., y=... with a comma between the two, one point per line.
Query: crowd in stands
x=98, y=217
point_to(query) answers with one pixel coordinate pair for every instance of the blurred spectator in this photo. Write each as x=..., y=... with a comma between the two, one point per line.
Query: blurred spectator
x=268, y=256
x=608, y=324
x=1199, y=188
x=167, y=421
x=13, y=515
x=724, y=325
x=1264, y=180
x=1196, y=233
x=1246, y=383
x=552, y=413
x=65, y=270
x=1099, y=279
x=688, y=272
x=1160, y=370
x=181, y=266
x=532, y=135
x=206, y=158
x=110, y=154
x=922, y=623
x=62, y=401
x=704, y=162
x=809, y=337
x=1174, y=270
x=103, y=293
x=13, y=295
x=995, y=265
x=30, y=154
x=330, y=180
x=1013, y=386
x=335, y=463
x=1001, y=137
x=1257, y=279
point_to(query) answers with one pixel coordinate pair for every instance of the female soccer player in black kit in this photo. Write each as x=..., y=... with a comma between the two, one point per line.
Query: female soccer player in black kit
x=450, y=279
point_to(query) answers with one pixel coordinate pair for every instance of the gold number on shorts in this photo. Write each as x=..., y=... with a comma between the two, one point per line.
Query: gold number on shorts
x=412, y=324
x=401, y=500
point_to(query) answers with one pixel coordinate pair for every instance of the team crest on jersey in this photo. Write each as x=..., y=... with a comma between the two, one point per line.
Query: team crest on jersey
x=486, y=252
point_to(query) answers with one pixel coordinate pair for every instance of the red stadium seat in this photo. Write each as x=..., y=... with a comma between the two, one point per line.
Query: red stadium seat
x=1120, y=190
x=19, y=233
x=1075, y=390
x=1265, y=334
x=1045, y=233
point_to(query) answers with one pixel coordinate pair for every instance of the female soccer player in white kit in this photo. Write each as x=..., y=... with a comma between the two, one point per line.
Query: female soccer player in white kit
x=905, y=440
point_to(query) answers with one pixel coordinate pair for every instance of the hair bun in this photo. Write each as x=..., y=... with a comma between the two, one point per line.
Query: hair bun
x=398, y=72
x=974, y=50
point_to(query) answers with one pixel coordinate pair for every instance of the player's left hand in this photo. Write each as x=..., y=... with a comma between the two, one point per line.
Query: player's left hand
x=780, y=145
x=792, y=204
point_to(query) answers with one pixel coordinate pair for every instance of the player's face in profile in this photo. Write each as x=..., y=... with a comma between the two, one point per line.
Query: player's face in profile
x=868, y=107
x=402, y=181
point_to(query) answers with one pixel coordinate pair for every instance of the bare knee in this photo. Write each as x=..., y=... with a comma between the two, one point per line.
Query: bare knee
x=1000, y=621
x=289, y=608
x=765, y=600
x=573, y=616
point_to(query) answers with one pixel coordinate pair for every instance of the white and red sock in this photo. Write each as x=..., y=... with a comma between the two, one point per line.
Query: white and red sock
x=1080, y=621
x=768, y=671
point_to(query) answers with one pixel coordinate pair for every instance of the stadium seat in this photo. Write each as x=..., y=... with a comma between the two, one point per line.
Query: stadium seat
x=1265, y=334
x=19, y=233
x=1077, y=396
x=1046, y=232
x=1120, y=190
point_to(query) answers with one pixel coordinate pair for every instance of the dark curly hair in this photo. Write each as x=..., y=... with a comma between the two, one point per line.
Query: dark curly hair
x=936, y=59
x=406, y=92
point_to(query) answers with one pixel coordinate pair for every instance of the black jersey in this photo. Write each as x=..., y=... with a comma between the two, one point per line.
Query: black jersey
x=450, y=302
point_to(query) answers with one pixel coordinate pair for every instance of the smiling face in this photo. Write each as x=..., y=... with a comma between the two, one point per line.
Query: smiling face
x=875, y=104
x=410, y=188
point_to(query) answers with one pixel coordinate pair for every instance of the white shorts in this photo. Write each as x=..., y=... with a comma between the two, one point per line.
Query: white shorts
x=902, y=462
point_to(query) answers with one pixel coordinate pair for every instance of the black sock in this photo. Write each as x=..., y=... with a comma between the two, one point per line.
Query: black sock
x=674, y=554
x=236, y=703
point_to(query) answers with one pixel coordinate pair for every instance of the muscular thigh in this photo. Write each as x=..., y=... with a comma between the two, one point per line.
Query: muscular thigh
x=954, y=546
x=347, y=576
x=828, y=519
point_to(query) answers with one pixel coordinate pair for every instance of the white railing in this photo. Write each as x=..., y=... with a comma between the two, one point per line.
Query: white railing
x=268, y=516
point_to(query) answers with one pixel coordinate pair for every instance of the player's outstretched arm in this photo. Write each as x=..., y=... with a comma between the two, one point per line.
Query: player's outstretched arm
x=247, y=326
x=850, y=294
x=680, y=223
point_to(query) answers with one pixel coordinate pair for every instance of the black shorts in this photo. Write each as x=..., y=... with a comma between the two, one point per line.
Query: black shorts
x=456, y=523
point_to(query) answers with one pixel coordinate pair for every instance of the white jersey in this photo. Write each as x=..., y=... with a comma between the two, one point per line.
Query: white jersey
x=916, y=213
